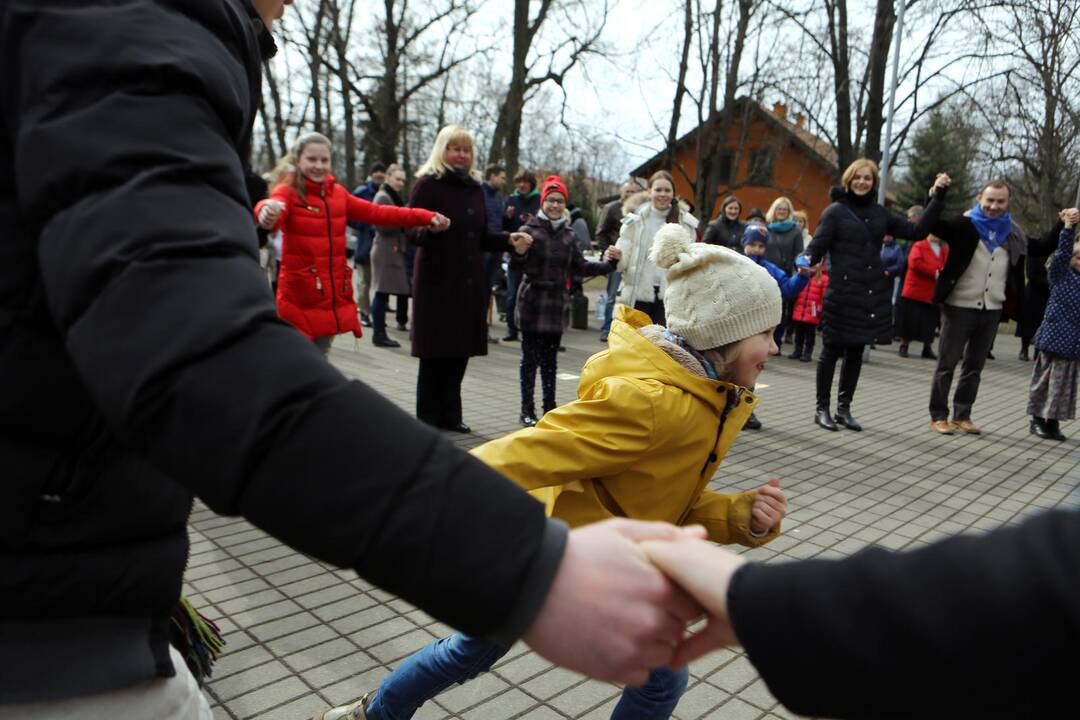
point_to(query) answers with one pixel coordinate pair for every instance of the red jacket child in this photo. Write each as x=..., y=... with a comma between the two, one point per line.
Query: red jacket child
x=315, y=291
x=923, y=269
x=808, y=304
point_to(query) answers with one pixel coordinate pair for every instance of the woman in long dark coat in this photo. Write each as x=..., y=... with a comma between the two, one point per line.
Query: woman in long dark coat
x=858, y=302
x=449, y=293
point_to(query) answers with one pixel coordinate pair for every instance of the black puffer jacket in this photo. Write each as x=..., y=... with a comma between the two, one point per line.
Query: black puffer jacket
x=142, y=360
x=858, y=305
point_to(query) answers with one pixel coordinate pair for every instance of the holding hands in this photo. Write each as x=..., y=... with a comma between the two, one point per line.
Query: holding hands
x=941, y=182
x=269, y=213
x=612, y=254
x=439, y=223
x=1071, y=217
x=521, y=242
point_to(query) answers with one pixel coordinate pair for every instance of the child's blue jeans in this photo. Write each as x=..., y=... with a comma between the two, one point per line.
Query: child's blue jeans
x=459, y=658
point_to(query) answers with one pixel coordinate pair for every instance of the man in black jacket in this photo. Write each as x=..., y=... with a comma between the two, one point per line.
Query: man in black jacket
x=983, y=275
x=142, y=361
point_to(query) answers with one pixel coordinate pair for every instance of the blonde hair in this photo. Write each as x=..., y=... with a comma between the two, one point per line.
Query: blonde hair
x=782, y=200
x=282, y=174
x=393, y=168
x=801, y=215
x=297, y=178
x=723, y=357
x=436, y=162
x=855, y=167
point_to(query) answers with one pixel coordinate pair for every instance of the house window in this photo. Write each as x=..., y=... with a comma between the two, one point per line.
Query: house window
x=761, y=166
x=725, y=170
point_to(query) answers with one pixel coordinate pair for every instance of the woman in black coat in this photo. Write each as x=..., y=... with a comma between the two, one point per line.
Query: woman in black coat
x=449, y=294
x=858, y=302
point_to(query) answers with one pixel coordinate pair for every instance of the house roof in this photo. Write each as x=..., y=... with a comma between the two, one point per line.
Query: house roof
x=817, y=148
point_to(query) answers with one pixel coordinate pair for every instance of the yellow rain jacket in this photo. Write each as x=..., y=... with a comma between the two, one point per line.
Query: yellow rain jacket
x=641, y=441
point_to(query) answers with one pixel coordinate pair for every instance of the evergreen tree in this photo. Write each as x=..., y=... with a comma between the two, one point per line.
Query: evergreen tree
x=944, y=143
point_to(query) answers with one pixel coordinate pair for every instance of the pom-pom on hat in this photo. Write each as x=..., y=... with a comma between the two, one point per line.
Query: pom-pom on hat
x=755, y=233
x=553, y=183
x=715, y=296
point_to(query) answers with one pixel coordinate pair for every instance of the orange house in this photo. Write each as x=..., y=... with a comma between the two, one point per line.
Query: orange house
x=779, y=157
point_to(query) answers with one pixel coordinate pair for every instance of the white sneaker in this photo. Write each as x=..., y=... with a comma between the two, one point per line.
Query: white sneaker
x=353, y=711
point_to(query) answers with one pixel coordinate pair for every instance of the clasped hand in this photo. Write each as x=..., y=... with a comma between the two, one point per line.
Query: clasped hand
x=626, y=591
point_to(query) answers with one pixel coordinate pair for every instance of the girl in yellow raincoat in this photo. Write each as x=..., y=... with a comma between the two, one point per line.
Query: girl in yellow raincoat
x=655, y=414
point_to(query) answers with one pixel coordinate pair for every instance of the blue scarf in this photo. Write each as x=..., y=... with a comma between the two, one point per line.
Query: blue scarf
x=992, y=231
x=781, y=226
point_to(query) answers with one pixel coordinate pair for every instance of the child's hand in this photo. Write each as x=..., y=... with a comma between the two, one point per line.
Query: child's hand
x=521, y=242
x=270, y=212
x=612, y=254
x=769, y=507
x=439, y=223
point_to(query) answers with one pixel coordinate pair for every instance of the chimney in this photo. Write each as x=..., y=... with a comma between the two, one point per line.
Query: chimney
x=799, y=119
x=780, y=110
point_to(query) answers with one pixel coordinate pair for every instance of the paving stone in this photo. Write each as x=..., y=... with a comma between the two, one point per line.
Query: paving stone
x=259, y=702
x=247, y=680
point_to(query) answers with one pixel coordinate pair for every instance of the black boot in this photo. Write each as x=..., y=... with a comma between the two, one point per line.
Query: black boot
x=381, y=339
x=843, y=417
x=849, y=379
x=1054, y=429
x=752, y=423
x=528, y=416
x=902, y=351
x=1038, y=427
x=822, y=418
x=928, y=353
x=826, y=367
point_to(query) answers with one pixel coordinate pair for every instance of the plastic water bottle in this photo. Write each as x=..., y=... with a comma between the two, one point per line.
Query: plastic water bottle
x=601, y=302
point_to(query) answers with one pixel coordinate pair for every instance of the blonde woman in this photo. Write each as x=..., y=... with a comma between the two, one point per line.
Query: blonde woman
x=449, y=294
x=857, y=309
x=643, y=283
x=785, y=244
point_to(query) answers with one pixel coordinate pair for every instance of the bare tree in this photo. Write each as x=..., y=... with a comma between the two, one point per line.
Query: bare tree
x=551, y=66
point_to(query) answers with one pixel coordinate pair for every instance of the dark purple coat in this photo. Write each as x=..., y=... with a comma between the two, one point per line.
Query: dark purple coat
x=553, y=257
x=449, y=295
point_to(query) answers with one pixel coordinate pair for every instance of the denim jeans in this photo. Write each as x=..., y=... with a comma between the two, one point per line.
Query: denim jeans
x=613, y=280
x=459, y=658
x=380, y=303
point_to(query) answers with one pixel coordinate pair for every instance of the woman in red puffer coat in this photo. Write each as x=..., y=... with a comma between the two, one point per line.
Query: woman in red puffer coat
x=315, y=283
x=919, y=315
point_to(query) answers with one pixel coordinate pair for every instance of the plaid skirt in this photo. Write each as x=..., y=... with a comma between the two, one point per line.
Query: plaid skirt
x=1053, y=388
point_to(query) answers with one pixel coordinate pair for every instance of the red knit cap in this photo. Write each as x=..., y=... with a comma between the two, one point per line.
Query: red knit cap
x=553, y=183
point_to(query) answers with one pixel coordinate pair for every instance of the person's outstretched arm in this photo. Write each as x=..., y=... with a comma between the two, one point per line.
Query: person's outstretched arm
x=146, y=256
x=968, y=626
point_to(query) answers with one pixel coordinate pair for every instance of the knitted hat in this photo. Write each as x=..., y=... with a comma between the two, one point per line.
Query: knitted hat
x=755, y=233
x=715, y=296
x=553, y=184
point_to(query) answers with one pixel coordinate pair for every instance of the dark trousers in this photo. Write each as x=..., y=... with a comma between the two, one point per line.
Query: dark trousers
x=438, y=390
x=851, y=357
x=539, y=350
x=655, y=310
x=513, y=281
x=805, y=336
x=381, y=303
x=966, y=334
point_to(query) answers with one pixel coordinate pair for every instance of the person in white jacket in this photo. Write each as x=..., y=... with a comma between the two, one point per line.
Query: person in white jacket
x=643, y=284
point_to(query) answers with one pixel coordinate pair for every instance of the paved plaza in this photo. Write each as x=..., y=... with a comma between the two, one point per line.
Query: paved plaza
x=302, y=635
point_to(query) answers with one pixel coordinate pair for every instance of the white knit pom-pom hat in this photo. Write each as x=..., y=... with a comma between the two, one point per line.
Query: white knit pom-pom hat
x=715, y=296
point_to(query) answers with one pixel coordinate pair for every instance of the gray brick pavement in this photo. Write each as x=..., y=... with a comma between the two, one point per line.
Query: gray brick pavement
x=302, y=634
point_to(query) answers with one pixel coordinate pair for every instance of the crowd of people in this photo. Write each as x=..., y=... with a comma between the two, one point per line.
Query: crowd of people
x=131, y=298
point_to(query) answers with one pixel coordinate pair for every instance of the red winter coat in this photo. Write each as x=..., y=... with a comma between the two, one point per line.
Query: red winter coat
x=808, y=305
x=923, y=266
x=315, y=290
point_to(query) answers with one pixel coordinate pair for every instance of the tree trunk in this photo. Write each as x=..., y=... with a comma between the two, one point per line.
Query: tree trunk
x=884, y=21
x=680, y=85
x=838, y=41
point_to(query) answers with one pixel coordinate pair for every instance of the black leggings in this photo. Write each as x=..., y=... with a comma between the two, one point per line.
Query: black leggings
x=539, y=349
x=849, y=373
x=438, y=390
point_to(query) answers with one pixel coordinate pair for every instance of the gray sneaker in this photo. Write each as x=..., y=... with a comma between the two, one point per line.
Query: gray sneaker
x=353, y=711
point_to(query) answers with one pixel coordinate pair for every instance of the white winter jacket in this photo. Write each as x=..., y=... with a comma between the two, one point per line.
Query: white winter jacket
x=637, y=280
